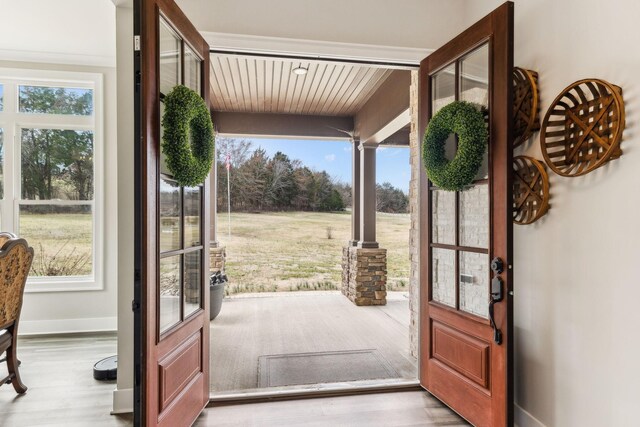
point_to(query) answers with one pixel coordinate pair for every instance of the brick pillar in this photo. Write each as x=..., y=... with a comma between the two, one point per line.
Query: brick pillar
x=217, y=258
x=364, y=275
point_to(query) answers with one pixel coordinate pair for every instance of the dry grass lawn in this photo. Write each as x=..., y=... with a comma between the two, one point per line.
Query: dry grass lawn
x=61, y=243
x=291, y=251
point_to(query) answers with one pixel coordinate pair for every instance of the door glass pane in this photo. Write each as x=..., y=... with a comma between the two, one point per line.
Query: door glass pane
x=192, y=282
x=443, y=217
x=474, y=217
x=169, y=291
x=474, y=88
x=169, y=216
x=444, y=90
x=1, y=97
x=474, y=283
x=191, y=216
x=191, y=69
x=55, y=100
x=443, y=85
x=170, y=73
x=170, y=57
x=443, y=276
x=57, y=164
x=61, y=236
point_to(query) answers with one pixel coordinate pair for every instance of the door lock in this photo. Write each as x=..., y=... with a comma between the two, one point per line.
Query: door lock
x=496, y=295
x=497, y=266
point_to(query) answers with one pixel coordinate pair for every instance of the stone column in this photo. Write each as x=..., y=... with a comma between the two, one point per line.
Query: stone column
x=367, y=196
x=364, y=265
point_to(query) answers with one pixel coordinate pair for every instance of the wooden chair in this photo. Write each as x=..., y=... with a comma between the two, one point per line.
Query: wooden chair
x=15, y=262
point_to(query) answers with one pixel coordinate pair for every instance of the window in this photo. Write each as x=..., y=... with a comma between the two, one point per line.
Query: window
x=51, y=185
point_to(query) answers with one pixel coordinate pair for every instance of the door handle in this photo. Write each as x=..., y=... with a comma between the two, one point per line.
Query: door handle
x=496, y=295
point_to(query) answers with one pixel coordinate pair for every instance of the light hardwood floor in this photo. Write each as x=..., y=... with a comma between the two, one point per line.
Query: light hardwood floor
x=62, y=392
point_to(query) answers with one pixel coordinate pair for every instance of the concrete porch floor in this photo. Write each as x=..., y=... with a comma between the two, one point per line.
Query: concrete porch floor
x=254, y=325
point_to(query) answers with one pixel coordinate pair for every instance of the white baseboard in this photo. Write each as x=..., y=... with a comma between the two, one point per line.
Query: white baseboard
x=525, y=419
x=122, y=401
x=64, y=326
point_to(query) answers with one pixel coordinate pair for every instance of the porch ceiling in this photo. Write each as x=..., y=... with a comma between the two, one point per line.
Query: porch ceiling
x=245, y=84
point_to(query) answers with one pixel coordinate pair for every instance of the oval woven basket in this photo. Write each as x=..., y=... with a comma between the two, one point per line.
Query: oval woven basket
x=530, y=190
x=583, y=127
x=526, y=107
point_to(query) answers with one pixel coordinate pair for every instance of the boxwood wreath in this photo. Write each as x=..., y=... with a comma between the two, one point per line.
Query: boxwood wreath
x=188, y=141
x=467, y=121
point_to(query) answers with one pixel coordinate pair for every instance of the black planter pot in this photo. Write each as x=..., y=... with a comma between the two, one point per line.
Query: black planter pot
x=216, y=291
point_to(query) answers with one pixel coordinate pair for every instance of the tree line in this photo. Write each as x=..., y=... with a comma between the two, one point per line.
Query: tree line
x=261, y=183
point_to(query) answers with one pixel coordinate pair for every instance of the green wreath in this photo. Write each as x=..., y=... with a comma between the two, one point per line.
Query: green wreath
x=465, y=120
x=188, y=141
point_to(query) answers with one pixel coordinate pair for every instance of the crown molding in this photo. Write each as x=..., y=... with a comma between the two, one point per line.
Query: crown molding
x=57, y=58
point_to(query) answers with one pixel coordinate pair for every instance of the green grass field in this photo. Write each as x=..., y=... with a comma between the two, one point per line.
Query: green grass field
x=289, y=251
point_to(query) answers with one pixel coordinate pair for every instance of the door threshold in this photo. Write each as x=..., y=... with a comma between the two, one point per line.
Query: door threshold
x=314, y=391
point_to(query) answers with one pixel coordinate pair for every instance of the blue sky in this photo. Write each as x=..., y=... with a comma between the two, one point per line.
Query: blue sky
x=392, y=164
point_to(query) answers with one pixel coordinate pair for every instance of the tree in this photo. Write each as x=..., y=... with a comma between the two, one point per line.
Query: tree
x=56, y=163
x=345, y=192
x=281, y=186
x=391, y=199
x=263, y=183
x=56, y=100
x=238, y=150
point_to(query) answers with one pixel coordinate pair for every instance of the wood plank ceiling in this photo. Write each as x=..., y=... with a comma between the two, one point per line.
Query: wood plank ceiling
x=268, y=85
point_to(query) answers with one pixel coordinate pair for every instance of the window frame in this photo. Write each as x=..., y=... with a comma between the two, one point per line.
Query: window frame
x=12, y=122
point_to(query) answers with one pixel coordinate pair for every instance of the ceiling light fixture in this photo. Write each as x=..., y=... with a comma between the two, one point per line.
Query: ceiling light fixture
x=300, y=70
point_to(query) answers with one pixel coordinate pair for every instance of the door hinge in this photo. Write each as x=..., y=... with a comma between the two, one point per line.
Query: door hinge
x=135, y=305
x=136, y=43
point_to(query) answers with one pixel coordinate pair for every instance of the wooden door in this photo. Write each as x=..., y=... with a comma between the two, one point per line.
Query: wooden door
x=172, y=246
x=464, y=360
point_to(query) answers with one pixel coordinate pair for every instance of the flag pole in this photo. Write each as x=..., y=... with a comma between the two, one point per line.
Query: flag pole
x=229, y=193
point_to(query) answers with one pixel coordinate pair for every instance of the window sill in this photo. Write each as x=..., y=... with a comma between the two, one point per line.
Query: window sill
x=62, y=284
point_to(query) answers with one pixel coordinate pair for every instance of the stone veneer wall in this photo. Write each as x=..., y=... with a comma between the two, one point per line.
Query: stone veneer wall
x=364, y=275
x=217, y=257
x=414, y=236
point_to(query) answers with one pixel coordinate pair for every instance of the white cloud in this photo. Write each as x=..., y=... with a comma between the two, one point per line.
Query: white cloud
x=382, y=148
x=330, y=157
x=347, y=149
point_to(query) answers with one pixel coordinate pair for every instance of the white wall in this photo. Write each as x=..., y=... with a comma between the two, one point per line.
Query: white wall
x=60, y=31
x=71, y=35
x=576, y=270
x=406, y=23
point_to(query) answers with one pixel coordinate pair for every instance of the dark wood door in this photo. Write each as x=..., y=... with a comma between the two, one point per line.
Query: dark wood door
x=465, y=361
x=172, y=246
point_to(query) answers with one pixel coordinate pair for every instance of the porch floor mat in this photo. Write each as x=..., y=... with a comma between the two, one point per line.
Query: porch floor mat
x=324, y=367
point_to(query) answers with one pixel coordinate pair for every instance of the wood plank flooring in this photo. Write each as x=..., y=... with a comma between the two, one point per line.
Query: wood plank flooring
x=304, y=322
x=62, y=392
x=413, y=408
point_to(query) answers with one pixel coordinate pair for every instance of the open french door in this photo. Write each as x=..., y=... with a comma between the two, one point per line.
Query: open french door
x=172, y=240
x=466, y=328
